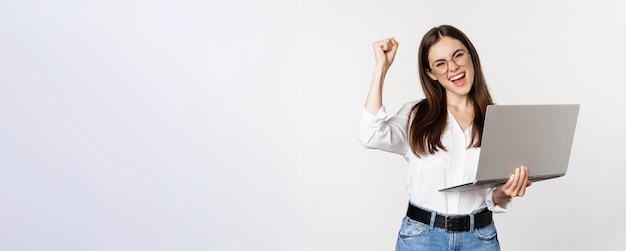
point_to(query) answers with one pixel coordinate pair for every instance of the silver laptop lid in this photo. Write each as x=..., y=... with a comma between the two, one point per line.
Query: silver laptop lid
x=537, y=136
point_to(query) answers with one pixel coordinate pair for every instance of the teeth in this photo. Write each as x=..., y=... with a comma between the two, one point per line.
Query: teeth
x=457, y=77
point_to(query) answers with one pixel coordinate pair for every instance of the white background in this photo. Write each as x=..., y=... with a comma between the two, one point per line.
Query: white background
x=192, y=125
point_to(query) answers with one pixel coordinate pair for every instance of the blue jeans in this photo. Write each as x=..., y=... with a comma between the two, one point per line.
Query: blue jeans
x=416, y=236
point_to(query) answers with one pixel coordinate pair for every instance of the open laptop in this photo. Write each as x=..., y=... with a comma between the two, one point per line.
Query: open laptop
x=537, y=136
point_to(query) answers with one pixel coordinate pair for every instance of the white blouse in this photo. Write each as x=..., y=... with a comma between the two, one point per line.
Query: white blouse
x=430, y=173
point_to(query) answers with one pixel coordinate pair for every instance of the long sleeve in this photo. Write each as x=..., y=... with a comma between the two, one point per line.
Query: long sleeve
x=381, y=132
x=496, y=208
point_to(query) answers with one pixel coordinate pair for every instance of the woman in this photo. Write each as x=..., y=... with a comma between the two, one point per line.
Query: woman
x=440, y=138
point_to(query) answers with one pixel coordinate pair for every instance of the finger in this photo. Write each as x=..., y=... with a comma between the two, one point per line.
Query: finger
x=528, y=182
x=394, y=44
x=394, y=41
x=522, y=191
x=380, y=44
x=519, y=182
x=523, y=180
x=515, y=186
x=526, y=176
x=506, y=187
x=386, y=44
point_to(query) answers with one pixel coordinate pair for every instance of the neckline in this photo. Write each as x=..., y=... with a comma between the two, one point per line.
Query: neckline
x=457, y=124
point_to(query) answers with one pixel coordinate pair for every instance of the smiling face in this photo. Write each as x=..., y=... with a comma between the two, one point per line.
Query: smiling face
x=458, y=79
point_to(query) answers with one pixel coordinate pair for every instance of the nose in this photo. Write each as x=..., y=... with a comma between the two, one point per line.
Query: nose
x=452, y=67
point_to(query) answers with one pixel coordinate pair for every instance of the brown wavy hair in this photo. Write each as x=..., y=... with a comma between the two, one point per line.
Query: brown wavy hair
x=427, y=120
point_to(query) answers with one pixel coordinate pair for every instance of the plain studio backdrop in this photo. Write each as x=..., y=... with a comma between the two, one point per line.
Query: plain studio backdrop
x=191, y=125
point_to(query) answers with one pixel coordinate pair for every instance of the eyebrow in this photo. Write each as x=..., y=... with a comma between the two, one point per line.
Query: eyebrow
x=454, y=53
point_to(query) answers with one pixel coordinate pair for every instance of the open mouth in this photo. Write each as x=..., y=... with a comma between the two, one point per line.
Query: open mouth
x=458, y=79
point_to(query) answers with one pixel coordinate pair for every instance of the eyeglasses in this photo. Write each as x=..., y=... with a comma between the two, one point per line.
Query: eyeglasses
x=460, y=58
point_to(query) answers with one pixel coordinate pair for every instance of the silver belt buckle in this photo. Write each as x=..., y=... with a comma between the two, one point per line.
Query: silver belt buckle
x=446, y=225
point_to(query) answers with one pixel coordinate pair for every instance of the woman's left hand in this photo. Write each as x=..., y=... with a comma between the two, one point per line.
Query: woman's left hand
x=514, y=187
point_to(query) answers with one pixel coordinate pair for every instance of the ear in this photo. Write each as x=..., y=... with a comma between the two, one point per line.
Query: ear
x=431, y=75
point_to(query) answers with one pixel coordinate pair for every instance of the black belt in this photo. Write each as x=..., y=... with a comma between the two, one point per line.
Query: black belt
x=455, y=223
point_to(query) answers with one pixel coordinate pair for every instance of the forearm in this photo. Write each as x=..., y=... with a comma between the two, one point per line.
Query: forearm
x=384, y=51
x=375, y=96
